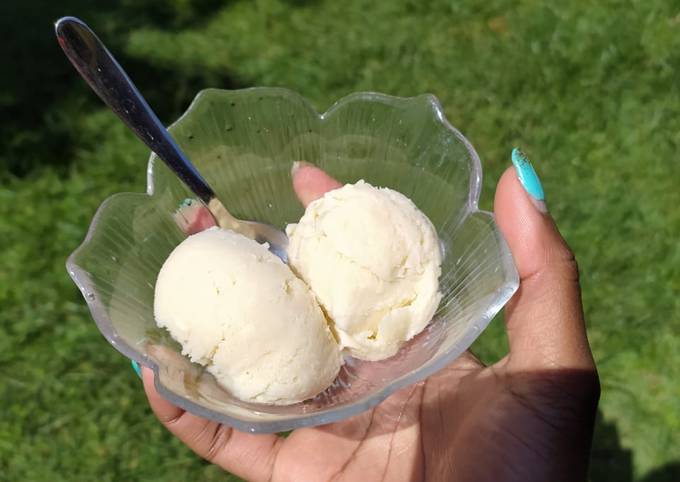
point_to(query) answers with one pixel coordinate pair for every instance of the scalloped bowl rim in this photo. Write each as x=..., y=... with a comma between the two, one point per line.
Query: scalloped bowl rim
x=82, y=279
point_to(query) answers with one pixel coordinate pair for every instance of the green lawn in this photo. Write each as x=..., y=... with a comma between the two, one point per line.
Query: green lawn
x=591, y=90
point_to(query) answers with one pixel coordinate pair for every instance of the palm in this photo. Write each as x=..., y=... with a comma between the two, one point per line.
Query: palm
x=385, y=443
x=494, y=419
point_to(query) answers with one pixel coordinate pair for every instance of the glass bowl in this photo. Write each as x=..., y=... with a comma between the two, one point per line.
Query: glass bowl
x=244, y=142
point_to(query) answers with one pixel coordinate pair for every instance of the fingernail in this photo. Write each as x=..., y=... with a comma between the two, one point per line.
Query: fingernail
x=136, y=367
x=186, y=203
x=529, y=179
x=297, y=165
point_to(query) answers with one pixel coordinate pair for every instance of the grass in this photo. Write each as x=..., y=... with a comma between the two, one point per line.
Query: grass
x=590, y=90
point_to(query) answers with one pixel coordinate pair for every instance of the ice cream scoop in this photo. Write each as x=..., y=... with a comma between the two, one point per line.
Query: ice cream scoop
x=372, y=259
x=240, y=311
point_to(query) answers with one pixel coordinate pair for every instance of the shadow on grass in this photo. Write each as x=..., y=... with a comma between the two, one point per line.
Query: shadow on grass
x=667, y=473
x=43, y=99
x=610, y=461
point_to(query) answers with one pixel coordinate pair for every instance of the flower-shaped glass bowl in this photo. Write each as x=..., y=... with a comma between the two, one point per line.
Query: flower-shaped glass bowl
x=244, y=143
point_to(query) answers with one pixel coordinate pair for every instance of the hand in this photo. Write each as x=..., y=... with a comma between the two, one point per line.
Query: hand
x=528, y=417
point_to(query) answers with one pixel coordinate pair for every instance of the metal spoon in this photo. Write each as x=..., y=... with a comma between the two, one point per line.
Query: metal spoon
x=110, y=82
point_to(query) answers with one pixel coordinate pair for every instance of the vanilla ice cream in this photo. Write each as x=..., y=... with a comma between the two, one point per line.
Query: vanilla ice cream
x=373, y=261
x=240, y=311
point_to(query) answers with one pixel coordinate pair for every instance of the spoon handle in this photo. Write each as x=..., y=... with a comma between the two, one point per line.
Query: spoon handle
x=110, y=82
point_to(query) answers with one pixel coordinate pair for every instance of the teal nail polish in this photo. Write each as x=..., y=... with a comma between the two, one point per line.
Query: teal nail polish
x=186, y=203
x=527, y=176
x=136, y=367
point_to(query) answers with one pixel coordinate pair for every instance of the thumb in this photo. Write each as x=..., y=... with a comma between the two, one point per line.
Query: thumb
x=544, y=318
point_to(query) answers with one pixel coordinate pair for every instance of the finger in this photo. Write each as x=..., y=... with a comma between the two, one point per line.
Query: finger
x=544, y=319
x=249, y=456
x=311, y=182
x=193, y=217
